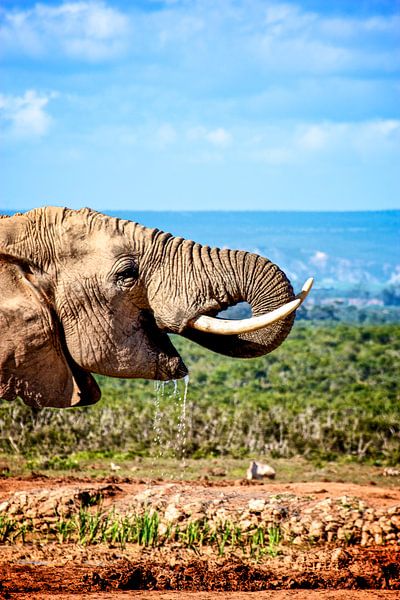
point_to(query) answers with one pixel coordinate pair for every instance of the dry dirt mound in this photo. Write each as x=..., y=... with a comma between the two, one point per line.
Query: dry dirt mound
x=373, y=568
x=300, y=519
x=328, y=540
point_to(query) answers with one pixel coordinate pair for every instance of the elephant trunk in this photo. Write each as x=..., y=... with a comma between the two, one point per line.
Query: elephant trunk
x=258, y=281
x=194, y=282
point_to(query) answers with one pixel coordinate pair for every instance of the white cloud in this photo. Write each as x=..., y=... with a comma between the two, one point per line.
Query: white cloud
x=295, y=40
x=218, y=137
x=313, y=138
x=319, y=259
x=297, y=143
x=25, y=116
x=395, y=276
x=275, y=156
x=166, y=135
x=83, y=30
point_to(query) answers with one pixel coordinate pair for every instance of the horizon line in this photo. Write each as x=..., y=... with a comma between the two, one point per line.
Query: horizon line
x=216, y=210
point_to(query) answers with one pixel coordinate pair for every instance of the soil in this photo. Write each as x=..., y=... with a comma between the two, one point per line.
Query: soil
x=323, y=569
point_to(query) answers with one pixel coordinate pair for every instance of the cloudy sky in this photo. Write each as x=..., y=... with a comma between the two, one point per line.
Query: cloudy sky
x=186, y=105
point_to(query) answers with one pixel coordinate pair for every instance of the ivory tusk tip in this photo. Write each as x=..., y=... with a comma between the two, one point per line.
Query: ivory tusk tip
x=305, y=290
x=227, y=327
x=308, y=285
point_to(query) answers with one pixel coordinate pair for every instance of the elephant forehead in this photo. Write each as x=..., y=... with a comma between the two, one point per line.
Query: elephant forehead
x=98, y=247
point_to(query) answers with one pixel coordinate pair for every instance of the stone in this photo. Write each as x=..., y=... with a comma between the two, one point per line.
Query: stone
x=365, y=538
x=172, y=513
x=376, y=529
x=395, y=520
x=316, y=529
x=358, y=523
x=256, y=505
x=258, y=470
x=298, y=541
x=391, y=472
x=193, y=507
x=246, y=524
x=386, y=525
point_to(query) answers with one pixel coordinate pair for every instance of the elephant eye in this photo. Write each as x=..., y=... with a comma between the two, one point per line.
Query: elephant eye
x=127, y=275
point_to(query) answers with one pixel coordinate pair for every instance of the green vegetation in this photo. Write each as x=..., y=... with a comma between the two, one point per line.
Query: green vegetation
x=88, y=528
x=330, y=391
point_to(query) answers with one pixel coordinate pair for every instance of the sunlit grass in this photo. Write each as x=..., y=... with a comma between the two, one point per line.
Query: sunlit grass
x=88, y=528
x=293, y=470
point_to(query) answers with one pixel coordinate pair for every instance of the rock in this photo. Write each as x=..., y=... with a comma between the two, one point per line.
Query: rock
x=340, y=557
x=316, y=529
x=395, y=520
x=162, y=529
x=369, y=514
x=298, y=541
x=256, y=505
x=246, y=524
x=391, y=472
x=258, y=470
x=358, y=523
x=376, y=529
x=330, y=536
x=172, y=513
x=191, y=508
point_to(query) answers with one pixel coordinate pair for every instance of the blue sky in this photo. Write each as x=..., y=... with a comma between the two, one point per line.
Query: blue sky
x=190, y=105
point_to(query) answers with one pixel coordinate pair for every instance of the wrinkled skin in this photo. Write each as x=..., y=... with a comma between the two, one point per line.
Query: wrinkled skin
x=83, y=293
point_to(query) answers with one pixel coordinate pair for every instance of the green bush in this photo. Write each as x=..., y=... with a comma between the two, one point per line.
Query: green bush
x=328, y=391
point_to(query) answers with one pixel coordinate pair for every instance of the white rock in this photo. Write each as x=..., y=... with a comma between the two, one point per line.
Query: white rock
x=258, y=470
x=391, y=472
x=172, y=513
x=256, y=505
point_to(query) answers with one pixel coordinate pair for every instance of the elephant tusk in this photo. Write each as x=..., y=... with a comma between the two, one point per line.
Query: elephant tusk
x=233, y=327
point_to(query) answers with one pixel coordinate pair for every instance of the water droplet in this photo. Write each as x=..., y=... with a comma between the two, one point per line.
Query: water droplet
x=182, y=434
x=159, y=387
x=165, y=392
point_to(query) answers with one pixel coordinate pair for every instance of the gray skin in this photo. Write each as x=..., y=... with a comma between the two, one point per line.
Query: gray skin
x=84, y=293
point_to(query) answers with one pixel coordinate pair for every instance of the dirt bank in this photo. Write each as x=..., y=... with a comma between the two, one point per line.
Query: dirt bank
x=333, y=537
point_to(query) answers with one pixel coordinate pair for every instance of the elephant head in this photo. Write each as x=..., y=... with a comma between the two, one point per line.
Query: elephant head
x=84, y=293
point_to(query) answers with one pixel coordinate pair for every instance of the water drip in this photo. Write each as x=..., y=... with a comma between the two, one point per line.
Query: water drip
x=163, y=393
x=159, y=387
x=182, y=433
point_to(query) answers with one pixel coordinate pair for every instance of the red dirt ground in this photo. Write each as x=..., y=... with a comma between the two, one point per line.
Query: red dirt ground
x=42, y=571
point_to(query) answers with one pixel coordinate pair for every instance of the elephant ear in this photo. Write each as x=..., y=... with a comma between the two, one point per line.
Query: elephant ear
x=34, y=363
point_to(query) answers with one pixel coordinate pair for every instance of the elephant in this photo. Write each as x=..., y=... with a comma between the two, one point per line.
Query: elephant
x=84, y=293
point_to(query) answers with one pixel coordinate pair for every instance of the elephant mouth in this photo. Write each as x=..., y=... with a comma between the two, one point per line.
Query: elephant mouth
x=167, y=360
x=173, y=368
x=166, y=363
x=86, y=390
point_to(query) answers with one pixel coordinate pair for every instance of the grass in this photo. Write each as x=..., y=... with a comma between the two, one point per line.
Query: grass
x=88, y=528
x=293, y=470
